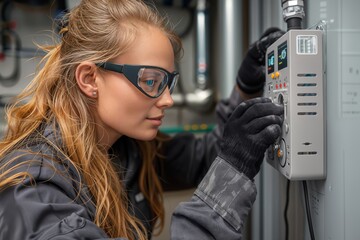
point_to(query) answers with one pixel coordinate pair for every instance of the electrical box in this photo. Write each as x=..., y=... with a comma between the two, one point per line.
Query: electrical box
x=295, y=79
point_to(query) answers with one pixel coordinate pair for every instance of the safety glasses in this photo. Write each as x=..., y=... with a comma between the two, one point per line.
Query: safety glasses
x=150, y=80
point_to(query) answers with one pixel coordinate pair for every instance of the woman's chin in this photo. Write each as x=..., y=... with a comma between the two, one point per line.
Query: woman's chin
x=146, y=136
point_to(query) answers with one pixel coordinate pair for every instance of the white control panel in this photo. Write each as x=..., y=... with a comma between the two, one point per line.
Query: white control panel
x=295, y=79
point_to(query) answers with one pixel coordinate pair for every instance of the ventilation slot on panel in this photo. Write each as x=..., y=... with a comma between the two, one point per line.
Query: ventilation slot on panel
x=307, y=113
x=307, y=104
x=307, y=153
x=306, y=84
x=306, y=75
x=306, y=94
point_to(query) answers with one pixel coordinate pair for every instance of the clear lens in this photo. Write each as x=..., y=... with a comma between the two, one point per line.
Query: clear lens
x=174, y=82
x=152, y=81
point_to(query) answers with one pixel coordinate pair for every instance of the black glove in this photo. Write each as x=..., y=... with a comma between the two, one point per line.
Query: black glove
x=251, y=74
x=252, y=127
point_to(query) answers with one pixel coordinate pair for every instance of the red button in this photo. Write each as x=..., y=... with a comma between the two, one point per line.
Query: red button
x=276, y=86
x=280, y=85
x=285, y=85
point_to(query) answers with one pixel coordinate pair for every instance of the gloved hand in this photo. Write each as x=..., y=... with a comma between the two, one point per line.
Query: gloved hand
x=251, y=129
x=251, y=74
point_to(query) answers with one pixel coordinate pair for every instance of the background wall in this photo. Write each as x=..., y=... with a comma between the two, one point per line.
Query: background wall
x=233, y=24
x=226, y=21
x=334, y=201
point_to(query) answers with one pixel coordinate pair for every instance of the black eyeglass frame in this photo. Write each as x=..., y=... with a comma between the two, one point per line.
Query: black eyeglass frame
x=131, y=73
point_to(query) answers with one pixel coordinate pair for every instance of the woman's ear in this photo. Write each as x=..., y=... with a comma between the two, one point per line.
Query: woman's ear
x=85, y=75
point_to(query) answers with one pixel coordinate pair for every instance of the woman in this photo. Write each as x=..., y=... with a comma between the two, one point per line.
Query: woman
x=82, y=157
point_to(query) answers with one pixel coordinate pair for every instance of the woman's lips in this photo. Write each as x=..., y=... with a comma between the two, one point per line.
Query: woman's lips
x=156, y=121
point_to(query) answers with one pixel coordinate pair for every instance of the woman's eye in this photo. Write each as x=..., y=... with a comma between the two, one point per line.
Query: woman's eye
x=149, y=83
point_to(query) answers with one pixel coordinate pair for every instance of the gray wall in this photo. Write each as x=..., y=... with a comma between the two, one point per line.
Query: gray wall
x=33, y=25
x=334, y=201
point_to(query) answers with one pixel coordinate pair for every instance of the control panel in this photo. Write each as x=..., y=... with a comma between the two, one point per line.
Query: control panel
x=295, y=79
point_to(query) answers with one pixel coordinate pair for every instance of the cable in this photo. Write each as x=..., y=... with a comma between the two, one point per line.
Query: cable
x=308, y=213
x=286, y=209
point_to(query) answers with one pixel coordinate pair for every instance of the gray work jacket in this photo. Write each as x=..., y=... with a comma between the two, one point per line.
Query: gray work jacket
x=52, y=208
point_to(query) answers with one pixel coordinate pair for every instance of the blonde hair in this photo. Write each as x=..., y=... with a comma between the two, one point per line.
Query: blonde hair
x=97, y=31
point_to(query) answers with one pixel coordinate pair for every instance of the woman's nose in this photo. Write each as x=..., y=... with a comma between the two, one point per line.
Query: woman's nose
x=165, y=100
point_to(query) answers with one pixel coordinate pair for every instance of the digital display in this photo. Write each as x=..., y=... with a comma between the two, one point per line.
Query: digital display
x=271, y=62
x=282, y=55
x=306, y=44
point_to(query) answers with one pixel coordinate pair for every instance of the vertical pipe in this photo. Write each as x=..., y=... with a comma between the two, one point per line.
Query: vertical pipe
x=202, y=39
x=255, y=20
x=229, y=47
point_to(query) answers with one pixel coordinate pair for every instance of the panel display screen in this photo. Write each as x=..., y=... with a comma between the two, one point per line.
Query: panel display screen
x=271, y=62
x=282, y=55
x=306, y=44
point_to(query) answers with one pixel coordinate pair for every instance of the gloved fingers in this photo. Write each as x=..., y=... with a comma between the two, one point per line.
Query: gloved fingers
x=251, y=69
x=244, y=106
x=269, y=135
x=251, y=74
x=270, y=39
x=259, y=110
x=259, y=124
x=258, y=49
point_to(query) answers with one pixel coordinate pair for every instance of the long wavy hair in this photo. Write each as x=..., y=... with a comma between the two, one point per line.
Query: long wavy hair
x=97, y=31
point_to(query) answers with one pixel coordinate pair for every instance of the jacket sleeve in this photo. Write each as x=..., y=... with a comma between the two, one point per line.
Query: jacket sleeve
x=188, y=157
x=44, y=211
x=44, y=207
x=218, y=208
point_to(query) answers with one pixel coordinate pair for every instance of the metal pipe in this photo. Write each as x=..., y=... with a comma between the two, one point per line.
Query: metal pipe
x=202, y=99
x=229, y=44
x=293, y=13
x=202, y=43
